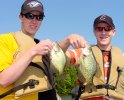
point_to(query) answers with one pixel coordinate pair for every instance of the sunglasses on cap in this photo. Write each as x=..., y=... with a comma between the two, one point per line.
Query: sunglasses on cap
x=106, y=28
x=32, y=16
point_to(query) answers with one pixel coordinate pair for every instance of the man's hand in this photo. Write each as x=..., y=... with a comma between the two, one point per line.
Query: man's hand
x=74, y=40
x=77, y=41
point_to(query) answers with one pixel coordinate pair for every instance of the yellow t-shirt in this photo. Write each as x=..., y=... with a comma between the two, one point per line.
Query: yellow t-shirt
x=8, y=50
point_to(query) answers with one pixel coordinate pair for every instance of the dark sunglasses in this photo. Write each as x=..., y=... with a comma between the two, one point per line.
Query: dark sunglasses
x=107, y=29
x=32, y=16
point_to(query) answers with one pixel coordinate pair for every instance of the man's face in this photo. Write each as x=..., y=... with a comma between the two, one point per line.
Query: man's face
x=104, y=33
x=31, y=22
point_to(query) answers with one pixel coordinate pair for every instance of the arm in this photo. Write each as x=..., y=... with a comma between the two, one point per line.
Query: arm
x=16, y=69
x=77, y=42
x=74, y=40
x=73, y=56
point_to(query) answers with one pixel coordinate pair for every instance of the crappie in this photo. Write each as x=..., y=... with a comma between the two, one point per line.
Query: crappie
x=58, y=59
x=88, y=67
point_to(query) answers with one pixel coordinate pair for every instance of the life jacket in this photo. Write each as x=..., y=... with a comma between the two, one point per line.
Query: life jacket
x=115, y=86
x=25, y=43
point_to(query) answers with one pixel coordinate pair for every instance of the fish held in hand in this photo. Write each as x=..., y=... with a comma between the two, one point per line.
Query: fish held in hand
x=88, y=68
x=58, y=59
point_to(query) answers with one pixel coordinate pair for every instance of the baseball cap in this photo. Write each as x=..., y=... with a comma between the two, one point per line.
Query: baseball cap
x=30, y=5
x=104, y=18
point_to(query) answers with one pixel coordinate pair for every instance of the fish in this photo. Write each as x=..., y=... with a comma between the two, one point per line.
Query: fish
x=57, y=58
x=88, y=68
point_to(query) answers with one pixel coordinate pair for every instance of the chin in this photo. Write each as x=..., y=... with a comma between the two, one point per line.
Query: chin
x=33, y=32
x=103, y=43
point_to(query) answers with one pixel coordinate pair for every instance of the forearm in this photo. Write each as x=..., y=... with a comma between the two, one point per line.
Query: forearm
x=14, y=71
x=64, y=44
x=74, y=40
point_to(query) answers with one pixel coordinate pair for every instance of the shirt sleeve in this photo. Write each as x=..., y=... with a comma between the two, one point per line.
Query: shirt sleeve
x=73, y=56
x=8, y=47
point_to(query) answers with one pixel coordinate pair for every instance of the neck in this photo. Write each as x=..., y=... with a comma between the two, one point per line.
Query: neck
x=106, y=47
x=23, y=31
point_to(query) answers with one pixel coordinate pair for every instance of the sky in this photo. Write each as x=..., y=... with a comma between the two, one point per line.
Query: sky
x=65, y=17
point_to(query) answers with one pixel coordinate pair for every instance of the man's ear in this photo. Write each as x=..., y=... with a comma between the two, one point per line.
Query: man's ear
x=114, y=32
x=20, y=17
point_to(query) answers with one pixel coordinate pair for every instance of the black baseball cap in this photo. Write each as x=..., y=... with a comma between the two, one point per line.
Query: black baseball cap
x=104, y=18
x=31, y=5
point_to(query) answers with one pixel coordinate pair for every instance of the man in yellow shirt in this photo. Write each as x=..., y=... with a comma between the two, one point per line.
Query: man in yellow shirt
x=19, y=49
